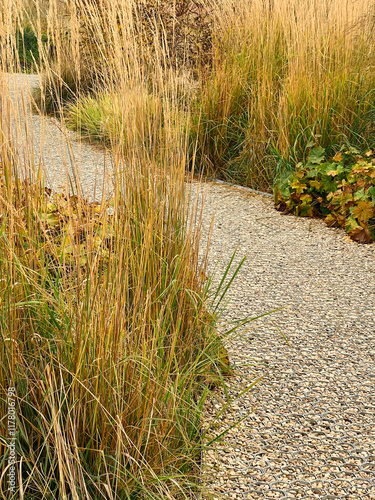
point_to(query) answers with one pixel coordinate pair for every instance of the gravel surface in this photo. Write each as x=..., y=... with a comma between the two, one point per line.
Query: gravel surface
x=55, y=148
x=311, y=434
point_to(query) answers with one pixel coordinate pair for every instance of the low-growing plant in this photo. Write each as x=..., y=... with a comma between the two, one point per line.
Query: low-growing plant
x=340, y=189
x=100, y=117
x=103, y=117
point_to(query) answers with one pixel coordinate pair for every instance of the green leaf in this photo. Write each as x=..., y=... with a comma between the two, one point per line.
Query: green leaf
x=285, y=193
x=371, y=191
x=360, y=195
x=351, y=224
x=317, y=155
x=50, y=219
x=326, y=167
x=328, y=185
x=312, y=174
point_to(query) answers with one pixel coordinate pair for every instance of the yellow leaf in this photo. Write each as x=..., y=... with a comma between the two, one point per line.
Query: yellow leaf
x=315, y=184
x=68, y=250
x=50, y=219
x=97, y=242
x=72, y=252
x=299, y=188
x=51, y=207
x=332, y=173
x=364, y=211
x=338, y=157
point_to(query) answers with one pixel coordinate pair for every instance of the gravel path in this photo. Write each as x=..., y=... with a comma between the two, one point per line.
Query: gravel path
x=49, y=142
x=312, y=434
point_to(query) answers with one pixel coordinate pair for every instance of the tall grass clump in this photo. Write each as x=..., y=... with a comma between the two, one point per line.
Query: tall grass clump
x=287, y=76
x=106, y=331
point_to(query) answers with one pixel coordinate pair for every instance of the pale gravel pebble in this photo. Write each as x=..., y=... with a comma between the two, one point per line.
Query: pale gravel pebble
x=311, y=434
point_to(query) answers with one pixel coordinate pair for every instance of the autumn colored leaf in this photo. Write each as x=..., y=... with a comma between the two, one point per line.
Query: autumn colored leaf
x=338, y=157
x=332, y=173
x=315, y=184
x=50, y=219
x=364, y=211
x=298, y=187
x=331, y=221
x=362, y=182
x=361, y=235
x=351, y=224
x=347, y=188
x=51, y=207
x=306, y=198
x=341, y=202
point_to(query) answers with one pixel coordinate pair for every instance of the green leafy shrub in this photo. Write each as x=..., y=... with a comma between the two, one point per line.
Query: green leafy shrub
x=342, y=190
x=28, y=49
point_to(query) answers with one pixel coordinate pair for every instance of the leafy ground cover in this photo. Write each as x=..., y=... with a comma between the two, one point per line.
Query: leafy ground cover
x=340, y=189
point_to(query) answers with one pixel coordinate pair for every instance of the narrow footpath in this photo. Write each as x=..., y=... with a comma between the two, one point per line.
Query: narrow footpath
x=312, y=432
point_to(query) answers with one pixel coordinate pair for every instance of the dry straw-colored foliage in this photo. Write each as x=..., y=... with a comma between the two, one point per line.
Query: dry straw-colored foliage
x=286, y=73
